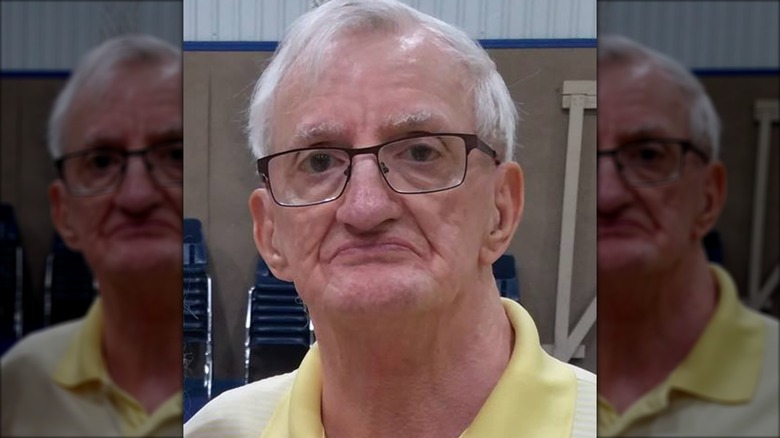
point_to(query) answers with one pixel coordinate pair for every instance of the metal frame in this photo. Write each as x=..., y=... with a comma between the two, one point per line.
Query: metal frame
x=18, y=304
x=208, y=367
x=47, y=289
x=577, y=97
x=765, y=113
x=247, y=333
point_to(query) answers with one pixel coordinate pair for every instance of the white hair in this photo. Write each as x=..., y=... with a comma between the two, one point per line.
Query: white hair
x=703, y=122
x=96, y=67
x=310, y=35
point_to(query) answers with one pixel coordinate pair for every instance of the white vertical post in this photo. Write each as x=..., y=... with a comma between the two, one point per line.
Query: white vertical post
x=577, y=96
x=766, y=113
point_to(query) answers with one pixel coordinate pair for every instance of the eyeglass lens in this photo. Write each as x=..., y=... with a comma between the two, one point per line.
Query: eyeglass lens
x=416, y=165
x=100, y=170
x=650, y=162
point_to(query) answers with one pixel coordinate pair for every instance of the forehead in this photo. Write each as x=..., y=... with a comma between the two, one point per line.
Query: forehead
x=640, y=100
x=379, y=81
x=131, y=101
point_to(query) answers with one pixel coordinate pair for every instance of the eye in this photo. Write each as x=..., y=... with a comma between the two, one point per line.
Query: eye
x=101, y=160
x=422, y=153
x=646, y=153
x=318, y=161
x=649, y=154
x=422, y=150
x=173, y=153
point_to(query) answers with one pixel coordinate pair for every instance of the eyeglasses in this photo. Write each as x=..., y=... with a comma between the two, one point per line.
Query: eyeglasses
x=651, y=162
x=423, y=163
x=95, y=171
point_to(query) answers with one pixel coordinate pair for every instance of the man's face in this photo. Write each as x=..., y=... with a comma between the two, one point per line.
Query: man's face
x=648, y=229
x=135, y=229
x=373, y=248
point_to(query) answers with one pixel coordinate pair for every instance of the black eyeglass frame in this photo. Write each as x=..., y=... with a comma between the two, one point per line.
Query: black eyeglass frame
x=685, y=146
x=470, y=141
x=59, y=164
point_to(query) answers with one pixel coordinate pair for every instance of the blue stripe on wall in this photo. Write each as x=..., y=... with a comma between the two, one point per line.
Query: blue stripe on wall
x=737, y=72
x=34, y=74
x=270, y=46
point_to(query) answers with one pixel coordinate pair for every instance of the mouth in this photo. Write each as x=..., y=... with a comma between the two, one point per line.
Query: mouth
x=145, y=228
x=618, y=227
x=373, y=251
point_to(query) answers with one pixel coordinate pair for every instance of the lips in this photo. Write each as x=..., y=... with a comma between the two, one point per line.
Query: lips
x=143, y=228
x=619, y=226
x=373, y=248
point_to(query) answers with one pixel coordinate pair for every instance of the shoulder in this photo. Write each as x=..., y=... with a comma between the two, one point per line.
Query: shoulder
x=39, y=350
x=771, y=353
x=240, y=412
x=27, y=371
x=584, y=424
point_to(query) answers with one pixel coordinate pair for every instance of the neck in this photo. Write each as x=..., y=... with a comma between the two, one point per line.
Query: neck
x=649, y=323
x=425, y=376
x=142, y=343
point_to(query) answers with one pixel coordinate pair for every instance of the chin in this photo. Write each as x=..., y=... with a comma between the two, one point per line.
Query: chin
x=376, y=290
x=617, y=259
x=154, y=259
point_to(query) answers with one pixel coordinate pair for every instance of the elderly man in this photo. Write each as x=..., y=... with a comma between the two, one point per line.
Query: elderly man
x=386, y=140
x=116, y=136
x=678, y=353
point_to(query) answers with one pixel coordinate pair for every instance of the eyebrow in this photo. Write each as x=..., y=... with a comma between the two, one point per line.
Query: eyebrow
x=420, y=120
x=409, y=121
x=646, y=130
x=308, y=132
x=98, y=139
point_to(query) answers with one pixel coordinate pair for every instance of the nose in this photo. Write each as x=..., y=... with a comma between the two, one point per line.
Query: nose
x=368, y=202
x=613, y=192
x=138, y=192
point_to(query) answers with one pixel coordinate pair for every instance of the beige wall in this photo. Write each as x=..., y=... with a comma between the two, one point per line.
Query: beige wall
x=734, y=97
x=220, y=175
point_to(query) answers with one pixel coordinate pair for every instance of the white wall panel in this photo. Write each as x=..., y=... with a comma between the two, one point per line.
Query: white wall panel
x=701, y=34
x=266, y=20
x=52, y=35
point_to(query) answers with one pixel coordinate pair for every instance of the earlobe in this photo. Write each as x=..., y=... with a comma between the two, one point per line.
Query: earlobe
x=509, y=200
x=60, y=215
x=714, y=199
x=263, y=230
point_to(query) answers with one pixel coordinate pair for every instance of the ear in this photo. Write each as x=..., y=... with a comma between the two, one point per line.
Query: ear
x=714, y=198
x=509, y=198
x=61, y=215
x=264, y=223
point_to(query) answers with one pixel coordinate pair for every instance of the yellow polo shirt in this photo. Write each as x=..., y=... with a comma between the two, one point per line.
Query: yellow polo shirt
x=55, y=383
x=536, y=396
x=726, y=386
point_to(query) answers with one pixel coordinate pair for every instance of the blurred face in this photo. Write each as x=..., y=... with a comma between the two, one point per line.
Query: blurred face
x=136, y=228
x=648, y=229
x=373, y=248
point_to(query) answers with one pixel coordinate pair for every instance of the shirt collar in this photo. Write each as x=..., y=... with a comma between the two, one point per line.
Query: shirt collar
x=735, y=378
x=710, y=371
x=543, y=389
x=83, y=362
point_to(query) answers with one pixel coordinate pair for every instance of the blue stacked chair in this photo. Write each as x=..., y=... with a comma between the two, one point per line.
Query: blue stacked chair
x=506, y=277
x=11, y=278
x=197, y=334
x=69, y=288
x=278, y=330
x=713, y=246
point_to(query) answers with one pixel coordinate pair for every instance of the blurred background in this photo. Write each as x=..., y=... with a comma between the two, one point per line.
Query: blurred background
x=41, y=281
x=733, y=47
